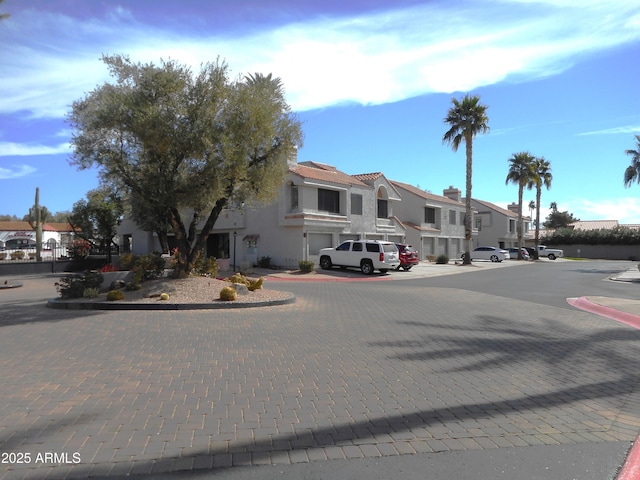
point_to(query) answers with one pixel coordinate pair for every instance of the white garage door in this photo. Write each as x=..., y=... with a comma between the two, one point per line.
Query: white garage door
x=318, y=241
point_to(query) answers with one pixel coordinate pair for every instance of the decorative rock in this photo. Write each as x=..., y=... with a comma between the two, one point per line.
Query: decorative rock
x=240, y=288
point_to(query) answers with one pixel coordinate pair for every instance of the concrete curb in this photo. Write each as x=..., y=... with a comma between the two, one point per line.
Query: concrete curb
x=61, y=304
x=583, y=303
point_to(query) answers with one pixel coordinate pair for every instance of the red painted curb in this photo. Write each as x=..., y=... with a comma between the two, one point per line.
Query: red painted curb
x=631, y=468
x=583, y=303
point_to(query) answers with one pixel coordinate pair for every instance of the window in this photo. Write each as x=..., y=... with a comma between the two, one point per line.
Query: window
x=357, y=247
x=382, y=209
x=512, y=226
x=452, y=217
x=356, y=204
x=328, y=200
x=294, y=197
x=479, y=224
x=429, y=215
x=373, y=247
x=344, y=247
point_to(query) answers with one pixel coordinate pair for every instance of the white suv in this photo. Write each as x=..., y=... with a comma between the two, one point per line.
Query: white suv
x=368, y=255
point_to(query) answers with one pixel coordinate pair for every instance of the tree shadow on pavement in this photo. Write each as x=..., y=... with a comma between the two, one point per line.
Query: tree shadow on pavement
x=607, y=357
x=20, y=312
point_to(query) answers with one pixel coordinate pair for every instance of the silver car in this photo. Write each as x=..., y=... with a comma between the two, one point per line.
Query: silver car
x=493, y=254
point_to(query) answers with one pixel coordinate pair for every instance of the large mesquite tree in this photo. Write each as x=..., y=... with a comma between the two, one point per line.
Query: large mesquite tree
x=186, y=145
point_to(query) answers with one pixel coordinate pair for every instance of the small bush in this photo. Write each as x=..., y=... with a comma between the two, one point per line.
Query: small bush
x=256, y=284
x=206, y=266
x=442, y=259
x=431, y=258
x=113, y=295
x=91, y=292
x=131, y=286
x=306, y=266
x=264, y=262
x=73, y=286
x=239, y=278
x=228, y=294
x=17, y=255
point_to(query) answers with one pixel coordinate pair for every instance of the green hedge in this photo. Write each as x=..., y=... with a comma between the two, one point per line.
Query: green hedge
x=603, y=236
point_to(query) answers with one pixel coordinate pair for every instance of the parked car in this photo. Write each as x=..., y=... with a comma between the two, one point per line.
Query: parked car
x=408, y=256
x=368, y=255
x=493, y=254
x=513, y=253
x=550, y=253
x=533, y=254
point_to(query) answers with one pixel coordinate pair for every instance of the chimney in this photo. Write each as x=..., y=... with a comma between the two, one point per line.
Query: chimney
x=292, y=160
x=453, y=193
x=513, y=207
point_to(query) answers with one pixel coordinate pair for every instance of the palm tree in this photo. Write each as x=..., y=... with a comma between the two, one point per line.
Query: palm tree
x=4, y=16
x=633, y=171
x=520, y=173
x=466, y=118
x=542, y=177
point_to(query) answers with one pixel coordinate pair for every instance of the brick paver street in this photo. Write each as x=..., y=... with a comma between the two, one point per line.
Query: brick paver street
x=350, y=370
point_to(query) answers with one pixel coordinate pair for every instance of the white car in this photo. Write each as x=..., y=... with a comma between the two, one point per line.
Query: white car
x=493, y=254
x=367, y=255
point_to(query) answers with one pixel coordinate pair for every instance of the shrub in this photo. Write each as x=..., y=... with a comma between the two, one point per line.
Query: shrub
x=264, y=262
x=17, y=255
x=73, y=286
x=126, y=261
x=228, y=294
x=442, y=259
x=306, y=266
x=131, y=286
x=206, y=266
x=256, y=284
x=431, y=258
x=239, y=278
x=91, y=292
x=113, y=295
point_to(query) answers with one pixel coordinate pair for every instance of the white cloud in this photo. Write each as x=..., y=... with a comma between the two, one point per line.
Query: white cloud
x=624, y=209
x=634, y=129
x=10, y=149
x=51, y=60
x=15, y=171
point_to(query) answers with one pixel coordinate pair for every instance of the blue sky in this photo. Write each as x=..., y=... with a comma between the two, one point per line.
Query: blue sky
x=371, y=81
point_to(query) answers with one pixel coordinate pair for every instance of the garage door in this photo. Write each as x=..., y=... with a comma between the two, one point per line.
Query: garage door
x=318, y=241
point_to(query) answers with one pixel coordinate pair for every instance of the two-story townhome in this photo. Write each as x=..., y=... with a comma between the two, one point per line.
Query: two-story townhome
x=498, y=226
x=318, y=206
x=434, y=224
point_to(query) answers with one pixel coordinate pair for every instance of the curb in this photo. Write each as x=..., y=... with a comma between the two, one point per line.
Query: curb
x=60, y=304
x=631, y=468
x=583, y=303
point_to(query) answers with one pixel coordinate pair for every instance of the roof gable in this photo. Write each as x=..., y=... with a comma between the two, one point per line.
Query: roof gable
x=426, y=195
x=325, y=173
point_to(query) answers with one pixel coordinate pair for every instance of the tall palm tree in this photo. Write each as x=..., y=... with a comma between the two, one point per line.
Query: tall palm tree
x=466, y=118
x=520, y=173
x=633, y=171
x=542, y=177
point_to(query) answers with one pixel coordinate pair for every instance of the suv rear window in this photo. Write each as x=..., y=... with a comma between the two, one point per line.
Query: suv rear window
x=389, y=247
x=373, y=247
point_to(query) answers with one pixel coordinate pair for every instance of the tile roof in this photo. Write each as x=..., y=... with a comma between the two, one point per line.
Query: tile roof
x=12, y=226
x=325, y=173
x=368, y=176
x=495, y=207
x=594, y=224
x=423, y=194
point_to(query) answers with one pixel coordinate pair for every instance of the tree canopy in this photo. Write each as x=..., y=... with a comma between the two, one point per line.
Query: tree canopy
x=522, y=173
x=179, y=144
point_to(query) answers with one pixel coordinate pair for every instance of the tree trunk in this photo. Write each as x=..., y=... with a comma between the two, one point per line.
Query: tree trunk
x=468, y=220
x=538, y=197
x=520, y=192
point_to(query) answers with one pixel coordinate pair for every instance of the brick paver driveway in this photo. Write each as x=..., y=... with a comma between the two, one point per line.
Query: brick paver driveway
x=349, y=370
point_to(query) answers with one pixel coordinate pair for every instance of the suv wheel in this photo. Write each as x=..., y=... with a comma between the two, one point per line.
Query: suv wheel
x=366, y=267
x=325, y=263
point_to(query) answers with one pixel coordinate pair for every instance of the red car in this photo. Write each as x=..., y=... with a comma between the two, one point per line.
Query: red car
x=408, y=256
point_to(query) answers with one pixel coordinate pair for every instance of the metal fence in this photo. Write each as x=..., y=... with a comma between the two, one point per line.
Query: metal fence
x=59, y=252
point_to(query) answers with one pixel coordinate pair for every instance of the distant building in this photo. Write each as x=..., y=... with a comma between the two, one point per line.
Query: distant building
x=19, y=235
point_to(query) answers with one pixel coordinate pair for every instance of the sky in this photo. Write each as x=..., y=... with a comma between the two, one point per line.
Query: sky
x=370, y=80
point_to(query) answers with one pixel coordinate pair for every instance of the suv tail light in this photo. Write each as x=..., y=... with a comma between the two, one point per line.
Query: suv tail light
x=382, y=256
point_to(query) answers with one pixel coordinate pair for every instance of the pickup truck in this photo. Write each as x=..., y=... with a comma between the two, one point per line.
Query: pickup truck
x=550, y=253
